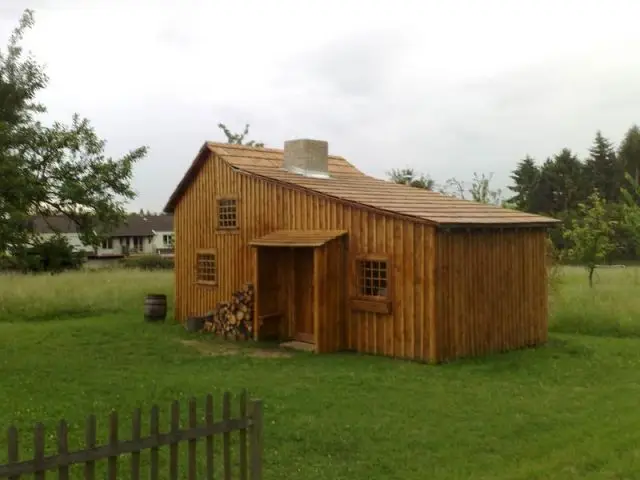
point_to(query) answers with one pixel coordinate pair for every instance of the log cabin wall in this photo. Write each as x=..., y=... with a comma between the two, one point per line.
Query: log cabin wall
x=491, y=291
x=265, y=206
x=330, y=266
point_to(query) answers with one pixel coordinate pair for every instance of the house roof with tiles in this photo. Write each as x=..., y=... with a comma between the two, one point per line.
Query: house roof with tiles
x=134, y=225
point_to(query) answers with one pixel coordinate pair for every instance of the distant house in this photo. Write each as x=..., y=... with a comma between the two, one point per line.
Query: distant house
x=139, y=234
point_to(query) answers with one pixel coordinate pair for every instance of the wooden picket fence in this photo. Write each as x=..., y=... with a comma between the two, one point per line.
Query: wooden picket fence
x=248, y=423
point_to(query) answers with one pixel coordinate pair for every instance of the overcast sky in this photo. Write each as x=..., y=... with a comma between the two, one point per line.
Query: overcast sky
x=447, y=87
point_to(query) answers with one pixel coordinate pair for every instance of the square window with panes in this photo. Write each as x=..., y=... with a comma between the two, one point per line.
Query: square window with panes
x=206, y=268
x=227, y=213
x=372, y=278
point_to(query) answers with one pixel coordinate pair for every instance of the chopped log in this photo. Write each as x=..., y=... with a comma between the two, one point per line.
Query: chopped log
x=234, y=318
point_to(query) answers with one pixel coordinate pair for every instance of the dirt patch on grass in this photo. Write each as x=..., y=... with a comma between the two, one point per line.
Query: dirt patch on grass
x=215, y=349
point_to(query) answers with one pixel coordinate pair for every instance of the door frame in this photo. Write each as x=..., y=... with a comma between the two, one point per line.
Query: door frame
x=290, y=310
x=304, y=255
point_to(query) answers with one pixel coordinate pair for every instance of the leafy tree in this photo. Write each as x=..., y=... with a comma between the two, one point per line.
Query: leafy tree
x=52, y=170
x=603, y=169
x=454, y=188
x=408, y=176
x=481, y=190
x=542, y=197
x=525, y=178
x=590, y=234
x=53, y=255
x=239, y=138
x=629, y=152
x=567, y=178
x=630, y=211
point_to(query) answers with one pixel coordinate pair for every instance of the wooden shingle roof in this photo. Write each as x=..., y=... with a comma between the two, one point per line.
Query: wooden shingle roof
x=349, y=184
x=297, y=238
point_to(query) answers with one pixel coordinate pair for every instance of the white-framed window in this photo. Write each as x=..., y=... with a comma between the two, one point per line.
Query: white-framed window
x=168, y=240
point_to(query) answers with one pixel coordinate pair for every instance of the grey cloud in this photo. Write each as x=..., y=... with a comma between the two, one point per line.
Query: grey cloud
x=358, y=65
x=174, y=37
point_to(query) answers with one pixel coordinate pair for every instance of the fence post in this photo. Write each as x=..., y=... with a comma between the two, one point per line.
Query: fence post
x=256, y=440
x=12, y=444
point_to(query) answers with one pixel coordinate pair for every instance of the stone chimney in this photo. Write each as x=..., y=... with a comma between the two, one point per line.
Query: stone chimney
x=307, y=157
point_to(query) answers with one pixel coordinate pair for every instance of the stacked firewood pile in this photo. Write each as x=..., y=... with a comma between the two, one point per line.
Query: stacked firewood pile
x=233, y=319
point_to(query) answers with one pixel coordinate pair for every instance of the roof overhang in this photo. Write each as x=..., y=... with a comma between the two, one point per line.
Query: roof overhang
x=191, y=173
x=497, y=226
x=297, y=238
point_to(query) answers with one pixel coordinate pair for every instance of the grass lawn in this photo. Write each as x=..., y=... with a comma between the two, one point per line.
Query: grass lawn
x=76, y=344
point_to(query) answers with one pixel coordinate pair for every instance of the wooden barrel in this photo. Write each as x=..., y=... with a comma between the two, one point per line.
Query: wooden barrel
x=155, y=307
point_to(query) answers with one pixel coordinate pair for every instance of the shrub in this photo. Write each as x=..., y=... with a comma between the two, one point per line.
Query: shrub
x=53, y=255
x=148, y=262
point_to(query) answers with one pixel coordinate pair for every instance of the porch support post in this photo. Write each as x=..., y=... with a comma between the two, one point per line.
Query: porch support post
x=256, y=292
x=317, y=331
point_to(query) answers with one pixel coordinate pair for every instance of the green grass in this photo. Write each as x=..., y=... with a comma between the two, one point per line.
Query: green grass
x=610, y=308
x=567, y=411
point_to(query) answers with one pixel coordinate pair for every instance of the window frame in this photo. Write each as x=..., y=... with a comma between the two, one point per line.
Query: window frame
x=171, y=237
x=206, y=251
x=107, y=243
x=371, y=303
x=232, y=228
x=371, y=257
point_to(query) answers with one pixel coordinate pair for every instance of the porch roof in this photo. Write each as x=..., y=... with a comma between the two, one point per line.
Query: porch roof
x=297, y=238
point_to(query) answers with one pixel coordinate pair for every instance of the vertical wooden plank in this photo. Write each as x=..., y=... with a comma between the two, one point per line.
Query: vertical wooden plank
x=38, y=450
x=154, y=451
x=255, y=258
x=226, y=436
x=419, y=292
x=13, y=455
x=208, y=417
x=433, y=286
x=192, y=453
x=243, y=436
x=350, y=290
x=408, y=289
x=173, y=447
x=136, y=434
x=112, y=461
x=63, y=449
x=90, y=442
x=317, y=275
x=399, y=349
x=256, y=440
x=390, y=320
x=381, y=320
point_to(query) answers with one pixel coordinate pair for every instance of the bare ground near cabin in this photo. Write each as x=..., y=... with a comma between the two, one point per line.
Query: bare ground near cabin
x=224, y=349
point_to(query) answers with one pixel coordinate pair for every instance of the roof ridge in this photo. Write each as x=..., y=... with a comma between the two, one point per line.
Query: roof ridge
x=361, y=190
x=235, y=146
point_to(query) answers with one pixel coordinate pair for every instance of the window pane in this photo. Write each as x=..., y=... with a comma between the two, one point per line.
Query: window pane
x=372, y=278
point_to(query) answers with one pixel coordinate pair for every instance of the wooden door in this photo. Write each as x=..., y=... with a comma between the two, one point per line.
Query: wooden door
x=303, y=288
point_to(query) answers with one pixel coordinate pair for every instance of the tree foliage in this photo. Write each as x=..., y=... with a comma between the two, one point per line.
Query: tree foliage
x=53, y=255
x=239, y=138
x=408, y=176
x=479, y=191
x=629, y=153
x=590, y=234
x=630, y=210
x=563, y=181
x=482, y=192
x=603, y=171
x=53, y=169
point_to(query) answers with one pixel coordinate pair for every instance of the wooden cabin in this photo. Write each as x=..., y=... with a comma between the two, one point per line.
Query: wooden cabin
x=340, y=260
